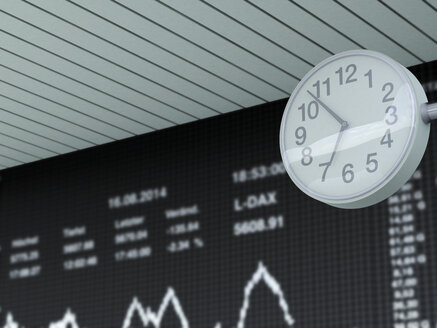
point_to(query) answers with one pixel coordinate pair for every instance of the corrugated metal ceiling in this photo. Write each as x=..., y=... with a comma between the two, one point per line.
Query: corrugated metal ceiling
x=79, y=73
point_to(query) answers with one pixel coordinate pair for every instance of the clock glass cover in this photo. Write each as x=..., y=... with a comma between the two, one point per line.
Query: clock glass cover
x=348, y=126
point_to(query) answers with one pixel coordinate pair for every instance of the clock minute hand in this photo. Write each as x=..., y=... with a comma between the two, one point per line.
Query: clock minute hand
x=329, y=110
x=344, y=126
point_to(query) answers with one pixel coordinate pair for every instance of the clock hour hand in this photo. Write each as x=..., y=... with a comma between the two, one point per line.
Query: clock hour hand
x=329, y=110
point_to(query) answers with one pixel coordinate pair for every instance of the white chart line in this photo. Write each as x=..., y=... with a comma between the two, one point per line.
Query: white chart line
x=10, y=323
x=262, y=274
x=149, y=317
x=69, y=320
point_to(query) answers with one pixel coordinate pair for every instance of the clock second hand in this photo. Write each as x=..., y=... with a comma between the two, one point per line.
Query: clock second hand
x=344, y=126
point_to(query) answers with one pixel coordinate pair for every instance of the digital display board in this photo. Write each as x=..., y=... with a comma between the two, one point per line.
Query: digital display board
x=200, y=226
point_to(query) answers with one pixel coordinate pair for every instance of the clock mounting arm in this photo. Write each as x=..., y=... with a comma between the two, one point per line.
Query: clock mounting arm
x=429, y=112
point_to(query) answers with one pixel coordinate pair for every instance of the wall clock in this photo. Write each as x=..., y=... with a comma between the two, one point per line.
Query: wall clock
x=355, y=129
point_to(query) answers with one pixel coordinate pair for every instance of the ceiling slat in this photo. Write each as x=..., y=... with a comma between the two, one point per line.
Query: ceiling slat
x=15, y=97
x=208, y=39
x=230, y=34
x=167, y=65
x=296, y=17
x=92, y=70
x=56, y=64
x=395, y=27
x=79, y=73
x=26, y=147
x=146, y=76
x=50, y=102
x=277, y=34
x=11, y=65
x=177, y=43
x=431, y=3
x=412, y=10
x=34, y=135
x=19, y=64
x=358, y=30
x=75, y=44
x=59, y=129
x=17, y=155
x=8, y=162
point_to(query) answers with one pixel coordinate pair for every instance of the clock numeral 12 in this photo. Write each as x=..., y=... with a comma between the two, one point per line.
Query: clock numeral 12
x=351, y=69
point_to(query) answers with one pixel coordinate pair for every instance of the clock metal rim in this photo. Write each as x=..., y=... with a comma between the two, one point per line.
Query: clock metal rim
x=338, y=200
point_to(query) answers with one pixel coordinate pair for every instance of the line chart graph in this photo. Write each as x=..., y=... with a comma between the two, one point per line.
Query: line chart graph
x=147, y=316
x=69, y=320
x=153, y=319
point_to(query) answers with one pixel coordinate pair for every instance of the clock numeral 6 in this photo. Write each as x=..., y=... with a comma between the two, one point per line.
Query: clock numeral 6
x=301, y=135
x=348, y=174
x=371, y=164
x=386, y=139
x=392, y=118
x=307, y=159
x=313, y=110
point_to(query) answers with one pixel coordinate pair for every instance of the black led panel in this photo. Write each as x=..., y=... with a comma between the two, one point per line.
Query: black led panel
x=199, y=226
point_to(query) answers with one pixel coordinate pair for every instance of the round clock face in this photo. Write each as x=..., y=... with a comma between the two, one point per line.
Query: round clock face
x=348, y=126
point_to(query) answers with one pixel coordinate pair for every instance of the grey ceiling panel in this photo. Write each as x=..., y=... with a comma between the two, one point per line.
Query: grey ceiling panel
x=45, y=112
x=48, y=146
x=48, y=137
x=25, y=147
x=79, y=64
x=25, y=73
x=234, y=41
x=417, y=14
x=163, y=65
x=208, y=38
x=176, y=44
x=431, y=3
x=17, y=63
x=358, y=29
x=268, y=28
x=6, y=161
x=17, y=155
x=395, y=28
x=51, y=101
x=295, y=18
x=138, y=74
x=31, y=120
x=79, y=73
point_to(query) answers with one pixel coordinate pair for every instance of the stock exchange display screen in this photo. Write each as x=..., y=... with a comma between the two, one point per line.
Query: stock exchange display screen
x=199, y=226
